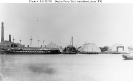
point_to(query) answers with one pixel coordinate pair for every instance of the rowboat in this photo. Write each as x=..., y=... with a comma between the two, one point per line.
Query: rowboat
x=128, y=57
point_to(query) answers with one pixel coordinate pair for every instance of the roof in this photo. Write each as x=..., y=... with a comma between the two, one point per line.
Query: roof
x=89, y=47
x=130, y=47
x=113, y=47
x=52, y=46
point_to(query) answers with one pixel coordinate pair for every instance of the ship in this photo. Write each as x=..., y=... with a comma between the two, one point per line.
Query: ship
x=16, y=51
x=70, y=49
x=9, y=47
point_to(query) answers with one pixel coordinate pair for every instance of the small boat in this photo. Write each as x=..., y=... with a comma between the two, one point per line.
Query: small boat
x=128, y=57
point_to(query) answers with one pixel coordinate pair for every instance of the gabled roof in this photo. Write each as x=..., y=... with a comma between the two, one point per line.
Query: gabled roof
x=89, y=47
x=87, y=44
x=52, y=46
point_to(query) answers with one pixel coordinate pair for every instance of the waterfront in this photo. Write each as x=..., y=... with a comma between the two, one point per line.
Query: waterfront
x=80, y=67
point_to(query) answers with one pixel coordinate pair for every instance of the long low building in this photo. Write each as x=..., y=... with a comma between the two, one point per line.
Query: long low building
x=118, y=48
x=8, y=44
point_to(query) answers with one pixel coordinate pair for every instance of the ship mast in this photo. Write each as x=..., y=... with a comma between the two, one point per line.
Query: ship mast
x=43, y=42
x=31, y=41
x=20, y=40
x=13, y=39
x=38, y=41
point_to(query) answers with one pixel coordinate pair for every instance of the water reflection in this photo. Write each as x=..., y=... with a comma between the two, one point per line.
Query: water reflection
x=42, y=69
x=65, y=68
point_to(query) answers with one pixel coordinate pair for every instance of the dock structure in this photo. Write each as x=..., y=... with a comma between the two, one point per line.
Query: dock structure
x=31, y=41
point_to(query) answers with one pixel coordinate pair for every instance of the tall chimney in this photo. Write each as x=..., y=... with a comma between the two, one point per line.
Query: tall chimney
x=2, y=32
x=72, y=41
x=10, y=38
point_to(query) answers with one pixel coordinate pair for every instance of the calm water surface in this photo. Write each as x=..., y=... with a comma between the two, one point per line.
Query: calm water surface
x=106, y=67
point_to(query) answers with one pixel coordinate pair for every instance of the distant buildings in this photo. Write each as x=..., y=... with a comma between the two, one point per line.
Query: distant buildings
x=130, y=48
x=8, y=43
x=117, y=48
x=52, y=46
x=85, y=48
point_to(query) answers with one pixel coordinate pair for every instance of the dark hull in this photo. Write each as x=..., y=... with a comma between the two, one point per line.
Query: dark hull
x=32, y=52
x=69, y=52
x=88, y=52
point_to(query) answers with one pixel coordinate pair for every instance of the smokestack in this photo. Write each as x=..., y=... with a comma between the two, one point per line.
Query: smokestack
x=2, y=32
x=72, y=41
x=10, y=38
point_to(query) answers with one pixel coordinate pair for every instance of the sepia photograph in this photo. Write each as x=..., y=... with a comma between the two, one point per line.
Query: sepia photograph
x=66, y=42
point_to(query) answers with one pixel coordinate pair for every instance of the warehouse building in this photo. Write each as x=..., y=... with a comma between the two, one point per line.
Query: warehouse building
x=89, y=48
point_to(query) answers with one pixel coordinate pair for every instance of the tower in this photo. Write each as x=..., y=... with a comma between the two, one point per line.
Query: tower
x=31, y=41
x=10, y=38
x=2, y=32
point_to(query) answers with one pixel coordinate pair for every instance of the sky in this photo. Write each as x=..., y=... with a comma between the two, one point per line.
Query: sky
x=103, y=24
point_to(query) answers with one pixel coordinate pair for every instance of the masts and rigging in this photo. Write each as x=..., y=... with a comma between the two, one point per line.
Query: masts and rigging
x=31, y=41
x=38, y=41
x=13, y=39
x=20, y=40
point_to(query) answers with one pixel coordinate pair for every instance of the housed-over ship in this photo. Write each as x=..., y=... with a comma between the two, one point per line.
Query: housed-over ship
x=9, y=47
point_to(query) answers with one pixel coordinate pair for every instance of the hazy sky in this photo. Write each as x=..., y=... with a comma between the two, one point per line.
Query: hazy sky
x=102, y=24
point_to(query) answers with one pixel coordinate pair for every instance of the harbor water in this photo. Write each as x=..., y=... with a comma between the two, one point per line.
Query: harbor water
x=80, y=67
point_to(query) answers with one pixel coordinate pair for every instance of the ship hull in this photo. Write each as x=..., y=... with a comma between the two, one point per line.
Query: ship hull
x=127, y=57
x=32, y=52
